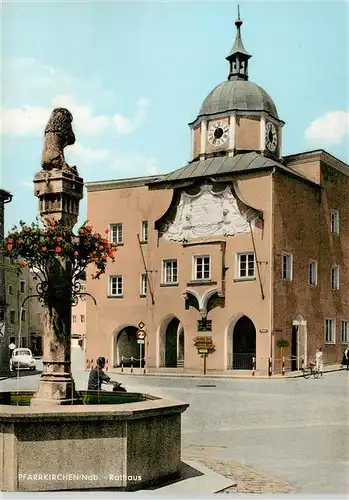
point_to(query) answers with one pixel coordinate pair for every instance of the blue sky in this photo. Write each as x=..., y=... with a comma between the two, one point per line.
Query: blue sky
x=134, y=74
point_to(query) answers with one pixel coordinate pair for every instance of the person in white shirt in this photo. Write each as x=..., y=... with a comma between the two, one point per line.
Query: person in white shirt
x=319, y=361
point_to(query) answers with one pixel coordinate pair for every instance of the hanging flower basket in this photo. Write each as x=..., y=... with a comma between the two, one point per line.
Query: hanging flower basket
x=282, y=343
x=43, y=249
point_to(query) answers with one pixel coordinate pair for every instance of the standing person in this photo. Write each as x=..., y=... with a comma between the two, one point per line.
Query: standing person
x=319, y=361
x=345, y=360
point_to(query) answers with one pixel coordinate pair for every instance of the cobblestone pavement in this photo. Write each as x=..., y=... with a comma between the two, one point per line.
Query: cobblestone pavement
x=246, y=480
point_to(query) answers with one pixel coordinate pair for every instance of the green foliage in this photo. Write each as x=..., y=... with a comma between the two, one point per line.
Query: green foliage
x=40, y=248
x=282, y=343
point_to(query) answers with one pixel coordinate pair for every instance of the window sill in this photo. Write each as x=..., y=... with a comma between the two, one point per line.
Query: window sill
x=239, y=280
x=201, y=282
x=330, y=343
x=115, y=296
x=142, y=296
x=169, y=284
x=312, y=286
x=143, y=242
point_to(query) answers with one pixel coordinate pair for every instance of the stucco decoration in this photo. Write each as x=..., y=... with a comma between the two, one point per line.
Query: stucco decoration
x=207, y=214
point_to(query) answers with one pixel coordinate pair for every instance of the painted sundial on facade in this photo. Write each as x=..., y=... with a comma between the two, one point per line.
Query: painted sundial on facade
x=208, y=214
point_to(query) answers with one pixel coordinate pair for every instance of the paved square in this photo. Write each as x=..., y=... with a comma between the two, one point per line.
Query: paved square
x=284, y=432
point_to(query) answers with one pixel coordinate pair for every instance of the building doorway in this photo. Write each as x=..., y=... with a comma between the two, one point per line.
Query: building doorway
x=126, y=346
x=244, y=344
x=299, y=343
x=171, y=355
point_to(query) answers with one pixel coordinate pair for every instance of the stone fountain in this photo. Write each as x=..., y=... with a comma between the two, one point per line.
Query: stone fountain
x=60, y=441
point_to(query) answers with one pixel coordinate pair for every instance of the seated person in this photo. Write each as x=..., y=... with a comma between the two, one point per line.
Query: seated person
x=98, y=377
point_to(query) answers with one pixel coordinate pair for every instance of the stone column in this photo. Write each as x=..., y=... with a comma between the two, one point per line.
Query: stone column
x=5, y=197
x=59, y=193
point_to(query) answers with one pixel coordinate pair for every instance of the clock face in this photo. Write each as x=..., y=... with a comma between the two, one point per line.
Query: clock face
x=218, y=133
x=271, y=137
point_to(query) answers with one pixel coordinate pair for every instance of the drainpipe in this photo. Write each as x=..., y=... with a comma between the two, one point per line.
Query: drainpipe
x=271, y=254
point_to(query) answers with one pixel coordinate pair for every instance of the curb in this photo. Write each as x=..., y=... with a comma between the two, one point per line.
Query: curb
x=220, y=376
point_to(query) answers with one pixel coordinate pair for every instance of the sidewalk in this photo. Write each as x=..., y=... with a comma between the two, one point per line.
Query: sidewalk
x=240, y=374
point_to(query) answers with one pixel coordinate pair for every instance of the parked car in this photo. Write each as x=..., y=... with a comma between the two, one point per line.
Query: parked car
x=22, y=358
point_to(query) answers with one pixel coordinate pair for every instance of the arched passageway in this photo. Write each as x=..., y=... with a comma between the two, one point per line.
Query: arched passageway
x=126, y=346
x=244, y=344
x=171, y=343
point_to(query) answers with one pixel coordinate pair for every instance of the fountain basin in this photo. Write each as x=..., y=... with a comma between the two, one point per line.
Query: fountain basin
x=118, y=444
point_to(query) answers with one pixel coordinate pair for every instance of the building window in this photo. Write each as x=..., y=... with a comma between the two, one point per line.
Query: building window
x=170, y=271
x=10, y=290
x=22, y=287
x=12, y=316
x=312, y=278
x=116, y=233
x=23, y=341
x=286, y=266
x=330, y=331
x=345, y=332
x=144, y=284
x=335, y=278
x=246, y=265
x=82, y=318
x=23, y=315
x=116, y=288
x=74, y=318
x=145, y=231
x=335, y=221
x=202, y=267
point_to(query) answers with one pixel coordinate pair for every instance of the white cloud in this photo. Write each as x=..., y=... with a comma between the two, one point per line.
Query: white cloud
x=32, y=120
x=128, y=125
x=31, y=73
x=24, y=120
x=85, y=155
x=330, y=128
x=133, y=164
x=84, y=120
x=122, y=164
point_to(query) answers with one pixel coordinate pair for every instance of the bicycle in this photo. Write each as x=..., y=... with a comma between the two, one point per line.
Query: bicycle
x=309, y=371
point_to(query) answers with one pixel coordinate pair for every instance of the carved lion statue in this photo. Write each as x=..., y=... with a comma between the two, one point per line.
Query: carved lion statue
x=58, y=135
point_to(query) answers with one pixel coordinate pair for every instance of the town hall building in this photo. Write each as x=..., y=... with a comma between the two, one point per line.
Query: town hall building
x=242, y=245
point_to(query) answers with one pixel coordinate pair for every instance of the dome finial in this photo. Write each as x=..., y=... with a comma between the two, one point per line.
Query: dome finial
x=238, y=56
x=238, y=21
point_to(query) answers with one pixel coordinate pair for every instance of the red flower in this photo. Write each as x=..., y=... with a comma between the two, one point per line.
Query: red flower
x=59, y=238
x=81, y=231
x=106, y=231
x=26, y=228
x=42, y=233
x=10, y=240
x=88, y=228
x=52, y=223
x=44, y=249
x=100, y=248
x=76, y=253
x=20, y=241
x=58, y=249
x=9, y=248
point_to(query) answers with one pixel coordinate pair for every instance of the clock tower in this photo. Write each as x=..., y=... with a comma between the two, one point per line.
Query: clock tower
x=238, y=116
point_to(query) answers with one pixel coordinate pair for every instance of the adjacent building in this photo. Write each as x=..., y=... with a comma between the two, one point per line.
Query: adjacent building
x=242, y=244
